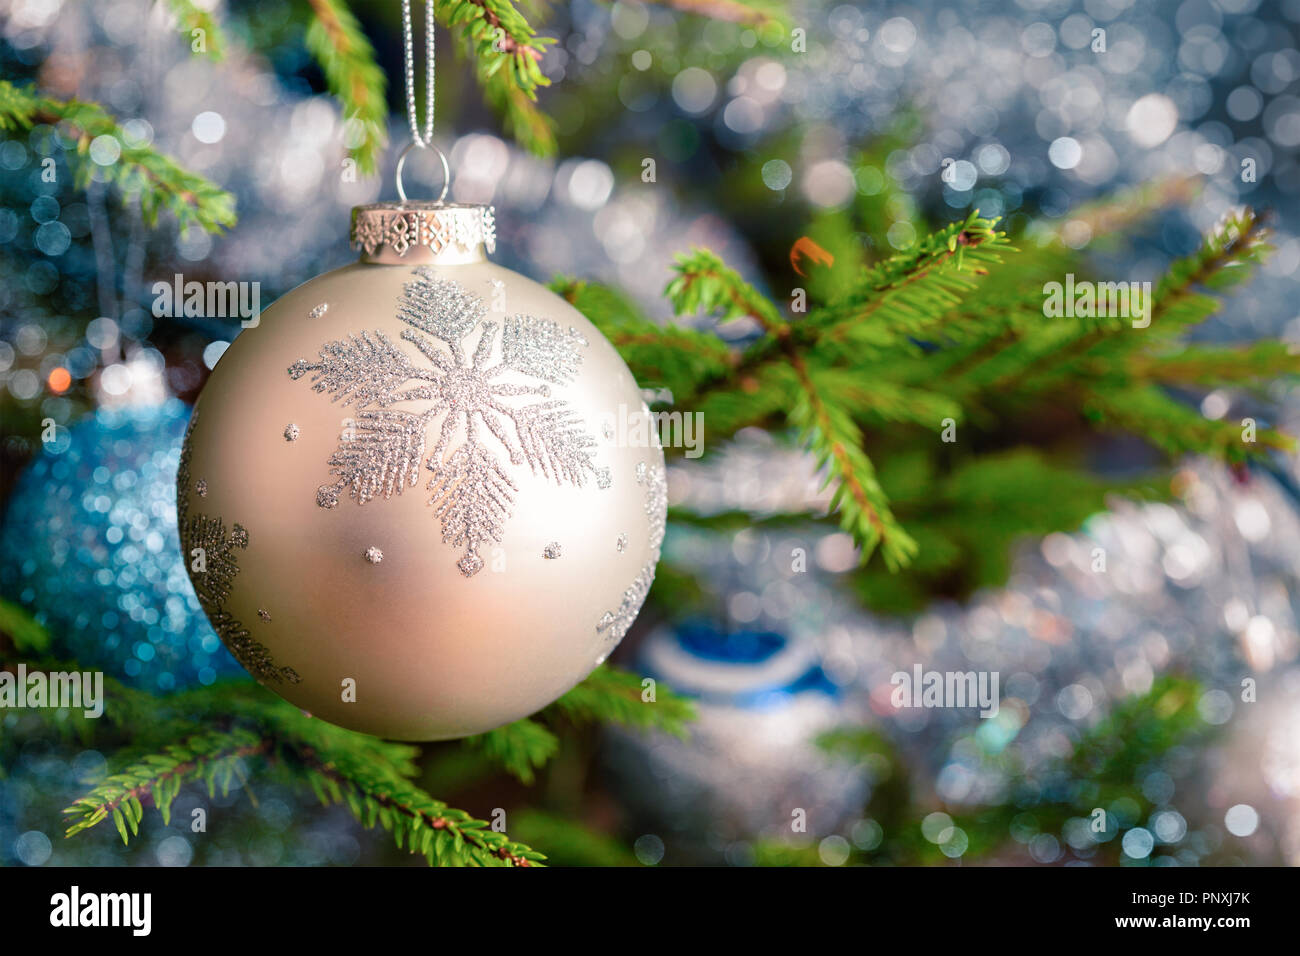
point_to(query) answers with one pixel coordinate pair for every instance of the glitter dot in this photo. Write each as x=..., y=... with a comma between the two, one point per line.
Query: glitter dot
x=551, y=551
x=291, y=432
x=608, y=431
x=201, y=487
x=239, y=536
x=264, y=614
x=604, y=479
x=621, y=544
x=327, y=496
x=320, y=310
x=640, y=472
x=470, y=565
x=374, y=555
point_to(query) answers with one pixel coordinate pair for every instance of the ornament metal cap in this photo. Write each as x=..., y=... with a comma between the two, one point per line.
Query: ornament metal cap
x=416, y=231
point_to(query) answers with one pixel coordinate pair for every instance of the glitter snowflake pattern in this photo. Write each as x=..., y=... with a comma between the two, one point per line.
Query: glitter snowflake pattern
x=456, y=391
x=656, y=502
x=614, y=624
x=213, y=585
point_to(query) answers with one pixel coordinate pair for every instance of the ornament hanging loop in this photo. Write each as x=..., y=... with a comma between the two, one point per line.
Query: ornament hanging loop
x=401, y=163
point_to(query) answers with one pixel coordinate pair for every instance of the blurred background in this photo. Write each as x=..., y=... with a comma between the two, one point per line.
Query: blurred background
x=790, y=671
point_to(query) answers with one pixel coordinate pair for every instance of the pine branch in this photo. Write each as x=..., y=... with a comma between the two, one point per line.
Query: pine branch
x=660, y=356
x=606, y=696
x=522, y=747
x=570, y=842
x=507, y=57
x=209, y=756
x=1178, y=429
x=967, y=517
x=1115, y=215
x=1216, y=366
x=882, y=402
x=835, y=440
x=28, y=635
x=704, y=283
x=159, y=181
x=337, y=42
x=1227, y=256
x=610, y=695
x=1137, y=733
x=371, y=776
x=907, y=295
x=190, y=18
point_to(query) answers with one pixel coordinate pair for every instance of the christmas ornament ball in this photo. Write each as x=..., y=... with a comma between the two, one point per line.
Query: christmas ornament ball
x=89, y=545
x=422, y=496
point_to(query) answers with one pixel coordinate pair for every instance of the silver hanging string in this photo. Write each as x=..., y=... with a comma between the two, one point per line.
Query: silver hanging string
x=419, y=141
x=426, y=140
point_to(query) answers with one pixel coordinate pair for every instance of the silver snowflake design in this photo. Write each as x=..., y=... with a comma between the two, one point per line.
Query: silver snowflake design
x=614, y=623
x=483, y=423
x=215, y=583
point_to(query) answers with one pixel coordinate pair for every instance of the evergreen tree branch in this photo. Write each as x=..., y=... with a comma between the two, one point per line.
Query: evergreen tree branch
x=704, y=283
x=569, y=842
x=160, y=182
x=190, y=18
x=29, y=636
x=610, y=695
x=607, y=696
x=1110, y=755
x=522, y=747
x=507, y=57
x=346, y=58
x=209, y=756
x=836, y=442
x=1226, y=257
x=1069, y=348
x=1115, y=215
x=372, y=777
x=906, y=295
x=1216, y=366
x=660, y=356
x=1178, y=429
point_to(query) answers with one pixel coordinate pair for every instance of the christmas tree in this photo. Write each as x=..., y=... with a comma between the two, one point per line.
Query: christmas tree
x=954, y=369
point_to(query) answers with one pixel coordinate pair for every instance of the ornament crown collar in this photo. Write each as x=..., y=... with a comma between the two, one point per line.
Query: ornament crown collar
x=418, y=232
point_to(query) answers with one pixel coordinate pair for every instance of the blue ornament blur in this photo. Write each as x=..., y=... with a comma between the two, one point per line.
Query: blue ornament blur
x=89, y=545
x=761, y=698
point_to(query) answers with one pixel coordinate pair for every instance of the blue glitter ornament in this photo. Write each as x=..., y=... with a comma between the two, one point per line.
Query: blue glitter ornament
x=89, y=544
